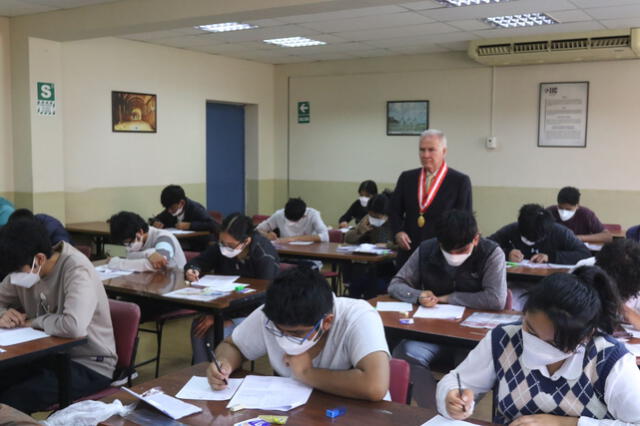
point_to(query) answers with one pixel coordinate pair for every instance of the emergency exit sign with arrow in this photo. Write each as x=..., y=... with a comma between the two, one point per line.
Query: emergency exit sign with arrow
x=304, y=112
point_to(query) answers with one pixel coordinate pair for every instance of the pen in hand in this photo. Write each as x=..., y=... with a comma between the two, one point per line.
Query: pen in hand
x=215, y=361
x=464, y=407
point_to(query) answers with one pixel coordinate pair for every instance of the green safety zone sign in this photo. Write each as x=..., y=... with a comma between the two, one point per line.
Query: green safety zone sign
x=46, y=102
x=304, y=112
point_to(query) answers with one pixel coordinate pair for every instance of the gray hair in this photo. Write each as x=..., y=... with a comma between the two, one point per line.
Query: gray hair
x=434, y=132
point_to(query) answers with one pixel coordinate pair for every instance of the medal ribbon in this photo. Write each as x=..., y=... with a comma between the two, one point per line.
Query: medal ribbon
x=425, y=200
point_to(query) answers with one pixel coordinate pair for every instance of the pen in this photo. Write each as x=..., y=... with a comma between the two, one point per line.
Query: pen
x=215, y=361
x=464, y=407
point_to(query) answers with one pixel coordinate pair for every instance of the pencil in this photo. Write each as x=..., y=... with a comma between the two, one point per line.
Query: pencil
x=215, y=361
x=464, y=407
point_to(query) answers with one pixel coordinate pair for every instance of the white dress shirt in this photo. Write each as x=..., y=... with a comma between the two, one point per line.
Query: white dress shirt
x=621, y=393
x=310, y=224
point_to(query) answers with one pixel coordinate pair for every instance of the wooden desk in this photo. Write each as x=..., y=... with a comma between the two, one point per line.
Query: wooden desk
x=99, y=232
x=56, y=347
x=153, y=286
x=312, y=413
x=523, y=273
x=432, y=330
x=328, y=252
x=620, y=233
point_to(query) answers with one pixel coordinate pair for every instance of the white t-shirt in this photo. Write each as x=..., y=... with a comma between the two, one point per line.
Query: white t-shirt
x=309, y=224
x=355, y=332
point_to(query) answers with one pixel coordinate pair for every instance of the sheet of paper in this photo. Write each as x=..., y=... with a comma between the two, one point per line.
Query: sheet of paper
x=594, y=247
x=489, y=320
x=529, y=264
x=169, y=405
x=440, y=311
x=13, y=336
x=301, y=243
x=176, y=231
x=346, y=249
x=199, y=388
x=443, y=421
x=2, y=350
x=271, y=393
x=394, y=307
x=371, y=249
x=194, y=293
x=107, y=273
x=634, y=348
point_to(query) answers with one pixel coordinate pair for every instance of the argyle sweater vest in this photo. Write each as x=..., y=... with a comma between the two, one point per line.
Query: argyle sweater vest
x=521, y=391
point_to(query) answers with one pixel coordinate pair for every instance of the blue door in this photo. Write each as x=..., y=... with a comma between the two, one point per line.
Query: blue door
x=225, y=158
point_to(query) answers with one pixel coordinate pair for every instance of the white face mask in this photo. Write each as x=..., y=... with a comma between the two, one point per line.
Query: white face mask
x=135, y=245
x=26, y=279
x=177, y=212
x=229, y=252
x=293, y=348
x=527, y=242
x=455, y=259
x=537, y=353
x=565, y=215
x=377, y=222
x=364, y=201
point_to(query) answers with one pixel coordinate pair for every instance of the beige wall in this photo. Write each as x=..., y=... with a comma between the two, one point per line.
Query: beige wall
x=346, y=141
x=6, y=135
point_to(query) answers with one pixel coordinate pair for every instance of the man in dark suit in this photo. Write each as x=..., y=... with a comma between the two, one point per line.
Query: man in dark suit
x=422, y=195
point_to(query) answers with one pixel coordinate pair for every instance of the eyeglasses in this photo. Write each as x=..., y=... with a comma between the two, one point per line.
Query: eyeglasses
x=273, y=329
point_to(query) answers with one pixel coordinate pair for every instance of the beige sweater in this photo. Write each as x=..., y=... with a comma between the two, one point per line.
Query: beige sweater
x=77, y=306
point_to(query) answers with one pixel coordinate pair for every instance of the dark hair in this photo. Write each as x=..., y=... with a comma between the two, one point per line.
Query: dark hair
x=295, y=209
x=20, y=241
x=369, y=187
x=455, y=229
x=171, y=195
x=239, y=226
x=298, y=296
x=125, y=225
x=621, y=260
x=578, y=304
x=378, y=204
x=569, y=195
x=534, y=222
x=21, y=214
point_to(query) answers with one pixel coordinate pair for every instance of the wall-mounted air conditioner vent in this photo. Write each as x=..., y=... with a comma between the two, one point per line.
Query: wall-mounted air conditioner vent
x=495, y=49
x=573, y=44
x=602, y=42
x=529, y=47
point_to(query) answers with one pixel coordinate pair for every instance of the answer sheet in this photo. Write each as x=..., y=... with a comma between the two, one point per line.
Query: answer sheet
x=107, y=273
x=440, y=311
x=222, y=283
x=13, y=336
x=271, y=393
x=167, y=404
x=443, y=421
x=199, y=388
x=394, y=307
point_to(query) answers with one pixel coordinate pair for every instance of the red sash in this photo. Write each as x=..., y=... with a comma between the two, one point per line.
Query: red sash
x=425, y=199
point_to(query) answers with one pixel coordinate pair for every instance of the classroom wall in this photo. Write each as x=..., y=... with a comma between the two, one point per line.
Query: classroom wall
x=6, y=137
x=346, y=143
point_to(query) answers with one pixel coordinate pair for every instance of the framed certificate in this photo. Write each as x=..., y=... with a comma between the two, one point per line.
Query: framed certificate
x=563, y=111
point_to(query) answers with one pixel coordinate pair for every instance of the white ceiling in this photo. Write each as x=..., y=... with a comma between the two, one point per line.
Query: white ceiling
x=424, y=26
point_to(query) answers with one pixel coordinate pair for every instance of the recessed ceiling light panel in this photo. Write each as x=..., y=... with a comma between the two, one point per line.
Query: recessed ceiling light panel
x=226, y=26
x=469, y=2
x=295, y=42
x=522, y=20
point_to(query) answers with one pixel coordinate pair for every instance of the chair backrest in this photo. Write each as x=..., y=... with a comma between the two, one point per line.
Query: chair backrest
x=216, y=215
x=84, y=249
x=257, y=218
x=189, y=255
x=612, y=226
x=284, y=266
x=508, y=304
x=399, y=383
x=125, y=318
x=633, y=233
x=336, y=236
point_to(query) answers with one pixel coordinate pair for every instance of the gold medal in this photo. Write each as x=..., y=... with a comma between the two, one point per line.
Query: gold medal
x=421, y=221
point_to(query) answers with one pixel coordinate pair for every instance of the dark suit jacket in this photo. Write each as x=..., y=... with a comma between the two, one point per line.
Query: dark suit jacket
x=454, y=193
x=200, y=220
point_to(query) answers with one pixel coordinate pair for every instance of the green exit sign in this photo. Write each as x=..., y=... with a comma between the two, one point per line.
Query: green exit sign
x=304, y=112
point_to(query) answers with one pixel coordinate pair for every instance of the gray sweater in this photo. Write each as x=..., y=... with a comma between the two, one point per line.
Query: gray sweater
x=75, y=305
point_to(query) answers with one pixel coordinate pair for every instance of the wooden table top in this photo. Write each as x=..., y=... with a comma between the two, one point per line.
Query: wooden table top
x=24, y=352
x=620, y=233
x=312, y=413
x=102, y=229
x=524, y=272
x=154, y=285
x=446, y=329
x=328, y=251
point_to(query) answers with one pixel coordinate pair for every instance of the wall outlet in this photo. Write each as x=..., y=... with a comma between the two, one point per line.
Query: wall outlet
x=492, y=142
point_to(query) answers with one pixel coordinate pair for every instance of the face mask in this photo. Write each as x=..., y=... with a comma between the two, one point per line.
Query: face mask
x=455, y=259
x=527, y=242
x=565, y=215
x=537, y=353
x=229, y=252
x=293, y=348
x=376, y=222
x=136, y=245
x=364, y=201
x=26, y=279
x=177, y=212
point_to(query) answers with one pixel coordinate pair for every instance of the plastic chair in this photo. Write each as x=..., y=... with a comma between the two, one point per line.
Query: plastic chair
x=257, y=218
x=336, y=236
x=189, y=255
x=216, y=215
x=399, y=382
x=612, y=227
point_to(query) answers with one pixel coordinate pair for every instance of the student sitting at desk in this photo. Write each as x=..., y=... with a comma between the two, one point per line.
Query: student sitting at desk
x=537, y=238
x=358, y=209
x=148, y=248
x=55, y=229
x=366, y=280
x=334, y=344
x=296, y=222
x=457, y=267
x=184, y=213
x=240, y=250
x=582, y=221
x=55, y=289
x=560, y=366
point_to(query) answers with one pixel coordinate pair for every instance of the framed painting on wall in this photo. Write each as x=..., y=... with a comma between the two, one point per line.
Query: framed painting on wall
x=133, y=112
x=407, y=118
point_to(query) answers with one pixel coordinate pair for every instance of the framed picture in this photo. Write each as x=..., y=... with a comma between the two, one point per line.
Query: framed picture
x=562, y=116
x=407, y=118
x=133, y=112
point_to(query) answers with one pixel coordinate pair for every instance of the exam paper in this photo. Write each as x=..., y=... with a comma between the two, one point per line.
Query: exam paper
x=221, y=283
x=168, y=405
x=529, y=264
x=13, y=336
x=270, y=393
x=443, y=421
x=594, y=247
x=199, y=388
x=300, y=243
x=107, y=273
x=394, y=307
x=489, y=320
x=193, y=293
x=371, y=249
x=440, y=311
x=176, y=231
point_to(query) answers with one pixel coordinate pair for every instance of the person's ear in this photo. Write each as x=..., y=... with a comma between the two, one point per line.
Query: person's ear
x=328, y=322
x=476, y=240
x=444, y=151
x=41, y=258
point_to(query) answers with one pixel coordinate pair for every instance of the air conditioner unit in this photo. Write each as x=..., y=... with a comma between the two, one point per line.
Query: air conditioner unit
x=603, y=45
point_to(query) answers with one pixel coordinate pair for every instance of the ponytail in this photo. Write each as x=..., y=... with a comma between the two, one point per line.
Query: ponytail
x=605, y=287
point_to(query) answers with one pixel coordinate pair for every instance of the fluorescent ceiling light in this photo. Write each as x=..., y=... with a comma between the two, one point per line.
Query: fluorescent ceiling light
x=295, y=42
x=469, y=2
x=522, y=20
x=226, y=26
